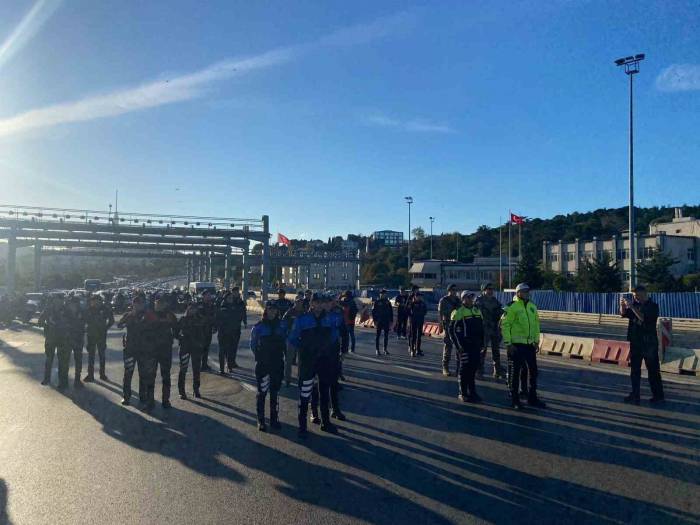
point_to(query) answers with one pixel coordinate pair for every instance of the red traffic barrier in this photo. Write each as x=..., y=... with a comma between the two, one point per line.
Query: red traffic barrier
x=613, y=352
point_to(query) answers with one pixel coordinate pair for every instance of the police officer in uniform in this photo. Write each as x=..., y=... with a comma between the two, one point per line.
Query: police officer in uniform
x=311, y=335
x=208, y=311
x=191, y=332
x=642, y=314
x=229, y=317
x=283, y=304
x=329, y=368
x=75, y=323
x=133, y=341
x=52, y=320
x=99, y=318
x=448, y=304
x=268, y=344
x=289, y=318
x=164, y=329
x=491, y=311
x=417, y=310
x=467, y=333
x=520, y=327
x=402, y=308
x=382, y=315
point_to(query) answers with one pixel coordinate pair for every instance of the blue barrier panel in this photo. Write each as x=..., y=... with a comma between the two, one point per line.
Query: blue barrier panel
x=673, y=304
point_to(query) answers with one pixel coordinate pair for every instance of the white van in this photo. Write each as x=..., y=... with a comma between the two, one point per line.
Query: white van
x=197, y=288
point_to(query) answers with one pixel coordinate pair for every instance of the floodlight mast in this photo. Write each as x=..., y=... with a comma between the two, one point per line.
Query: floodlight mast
x=631, y=64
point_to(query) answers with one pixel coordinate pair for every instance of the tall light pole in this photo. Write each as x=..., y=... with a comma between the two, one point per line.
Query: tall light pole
x=631, y=64
x=432, y=220
x=409, y=201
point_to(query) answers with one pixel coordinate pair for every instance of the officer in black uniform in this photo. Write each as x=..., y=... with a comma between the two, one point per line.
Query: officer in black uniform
x=643, y=313
x=208, y=311
x=75, y=322
x=164, y=329
x=402, y=311
x=99, y=318
x=229, y=317
x=53, y=321
x=417, y=311
x=133, y=342
x=191, y=332
x=383, y=316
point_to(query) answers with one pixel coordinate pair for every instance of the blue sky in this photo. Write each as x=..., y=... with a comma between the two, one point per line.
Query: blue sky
x=324, y=115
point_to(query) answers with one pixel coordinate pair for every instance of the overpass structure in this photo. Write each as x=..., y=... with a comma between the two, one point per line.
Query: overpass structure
x=54, y=231
x=199, y=241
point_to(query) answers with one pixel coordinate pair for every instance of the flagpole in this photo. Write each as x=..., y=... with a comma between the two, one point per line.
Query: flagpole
x=520, y=241
x=510, y=228
x=500, y=254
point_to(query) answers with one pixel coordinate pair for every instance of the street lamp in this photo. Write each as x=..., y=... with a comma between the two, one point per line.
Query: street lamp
x=432, y=219
x=409, y=201
x=631, y=64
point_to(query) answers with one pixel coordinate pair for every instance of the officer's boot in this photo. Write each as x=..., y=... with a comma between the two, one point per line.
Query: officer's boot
x=196, y=390
x=103, y=367
x=142, y=391
x=166, y=396
x=326, y=425
x=274, y=411
x=90, y=376
x=260, y=409
x=498, y=372
x=181, y=382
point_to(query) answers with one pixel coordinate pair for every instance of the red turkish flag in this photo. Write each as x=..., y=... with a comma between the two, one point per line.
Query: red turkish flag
x=281, y=239
x=516, y=219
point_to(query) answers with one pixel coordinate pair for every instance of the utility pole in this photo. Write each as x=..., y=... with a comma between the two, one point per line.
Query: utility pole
x=631, y=64
x=409, y=201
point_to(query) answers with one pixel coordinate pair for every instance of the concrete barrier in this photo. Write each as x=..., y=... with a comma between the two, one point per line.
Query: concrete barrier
x=684, y=361
x=613, y=352
x=567, y=346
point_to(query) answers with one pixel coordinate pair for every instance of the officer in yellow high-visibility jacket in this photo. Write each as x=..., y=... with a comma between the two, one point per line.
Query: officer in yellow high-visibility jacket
x=520, y=327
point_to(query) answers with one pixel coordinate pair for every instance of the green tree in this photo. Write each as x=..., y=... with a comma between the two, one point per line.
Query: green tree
x=655, y=273
x=691, y=282
x=599, y=276
x=418, y=233
x=529, y=271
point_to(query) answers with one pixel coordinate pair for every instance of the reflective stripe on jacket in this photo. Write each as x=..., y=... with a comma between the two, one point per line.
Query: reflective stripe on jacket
x=520, y=323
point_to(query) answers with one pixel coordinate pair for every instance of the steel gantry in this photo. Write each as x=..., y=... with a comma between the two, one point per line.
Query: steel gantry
x=199, y=240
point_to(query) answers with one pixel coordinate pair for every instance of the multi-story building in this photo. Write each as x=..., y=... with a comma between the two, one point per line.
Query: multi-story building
x=335, y=275
x=388, y=237
x=348, y=245
x=568, y=257
x=438, y=274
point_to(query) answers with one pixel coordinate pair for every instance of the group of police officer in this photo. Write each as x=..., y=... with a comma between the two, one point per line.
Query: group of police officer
x=471, y=325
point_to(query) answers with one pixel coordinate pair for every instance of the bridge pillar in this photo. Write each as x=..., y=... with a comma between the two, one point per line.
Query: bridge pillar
x=265, y=273
x=11, y=266
x=37, y=267
x=244, y=274
x=189, y=271
x=210, y=268
x=227, y=268
x=199, y=271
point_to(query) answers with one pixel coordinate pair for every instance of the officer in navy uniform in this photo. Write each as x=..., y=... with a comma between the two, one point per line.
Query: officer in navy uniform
x=268, y=344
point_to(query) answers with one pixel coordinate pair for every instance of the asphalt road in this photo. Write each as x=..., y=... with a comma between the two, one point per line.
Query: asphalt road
x=410, y=452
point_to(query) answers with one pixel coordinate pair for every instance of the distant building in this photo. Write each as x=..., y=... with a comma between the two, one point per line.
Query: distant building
x=336, y=275
x=439, y=274
x=683, y=226
x=388, y=237
x=348, y=245
x=568, y=257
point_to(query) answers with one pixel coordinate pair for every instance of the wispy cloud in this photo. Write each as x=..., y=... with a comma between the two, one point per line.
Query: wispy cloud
x=413, y=125
x=193, y=85
x=29, y=26
x=679, y=77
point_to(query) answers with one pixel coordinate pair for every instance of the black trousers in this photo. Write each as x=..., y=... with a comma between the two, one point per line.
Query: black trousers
x=185, y=354
x=401, y=324
x=163, y=359
x=325, y=394
x=64, y=353
x=129, y=366
x=467, y=364
x=492, y=340
x=50, y=349
x=268, y=380
x=523, y=356
x=649, y=354
x=415, y=335
x=228, y=349
x=380, y=329
x=96, y=342
x=205, y=350
x=447, y=347
x=307, y=383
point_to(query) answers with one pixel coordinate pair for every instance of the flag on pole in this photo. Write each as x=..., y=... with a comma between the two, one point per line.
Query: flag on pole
x=516, y=219
x=281, y=239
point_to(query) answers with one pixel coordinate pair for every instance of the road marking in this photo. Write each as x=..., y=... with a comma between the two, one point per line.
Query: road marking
x=414, y=370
